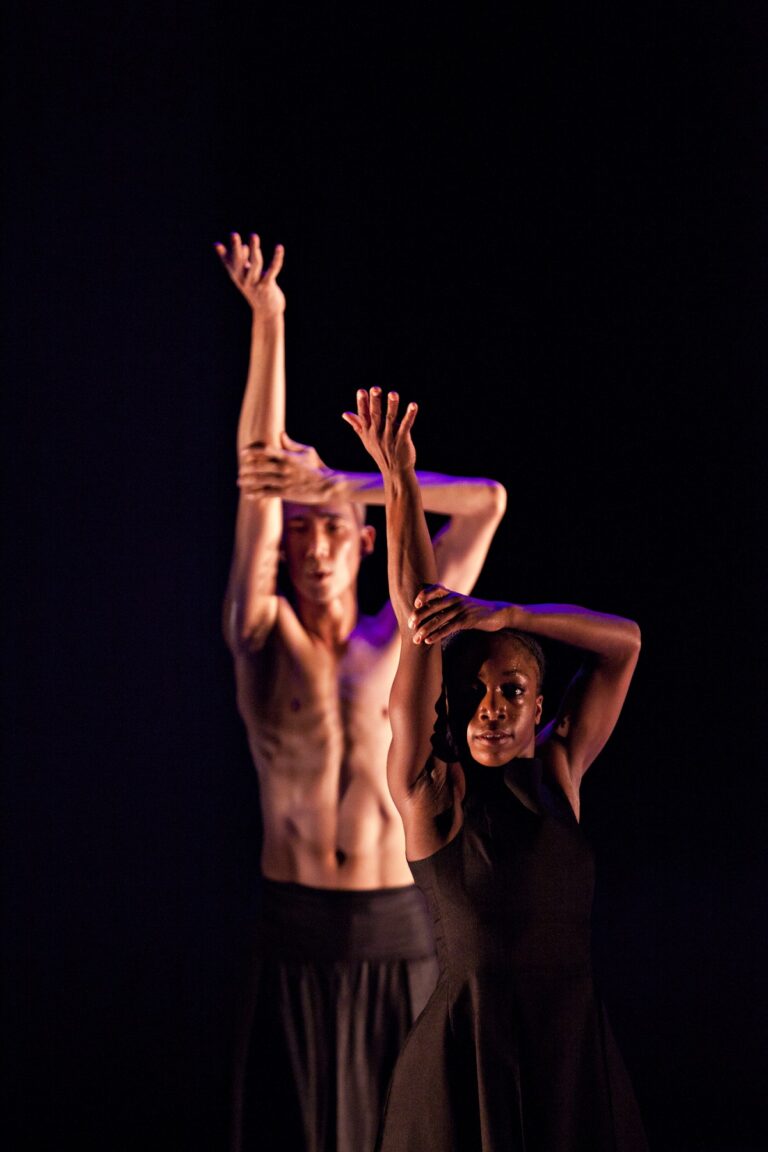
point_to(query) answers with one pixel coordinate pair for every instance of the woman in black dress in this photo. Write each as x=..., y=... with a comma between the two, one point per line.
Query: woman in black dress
x=513, y=1053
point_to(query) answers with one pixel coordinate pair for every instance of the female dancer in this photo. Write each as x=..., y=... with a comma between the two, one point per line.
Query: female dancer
x=513, y=1051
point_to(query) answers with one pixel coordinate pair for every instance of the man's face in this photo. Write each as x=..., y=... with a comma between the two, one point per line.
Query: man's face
x=322, y=548
x=507, y=704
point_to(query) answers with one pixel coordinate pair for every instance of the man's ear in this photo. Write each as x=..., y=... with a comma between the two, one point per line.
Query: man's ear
x=539, y=706
x=367, y=539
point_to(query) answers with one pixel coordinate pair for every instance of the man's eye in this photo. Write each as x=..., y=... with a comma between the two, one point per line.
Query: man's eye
x=513, y=690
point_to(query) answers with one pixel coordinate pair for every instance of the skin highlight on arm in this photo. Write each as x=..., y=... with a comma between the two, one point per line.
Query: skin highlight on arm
x=250, y=604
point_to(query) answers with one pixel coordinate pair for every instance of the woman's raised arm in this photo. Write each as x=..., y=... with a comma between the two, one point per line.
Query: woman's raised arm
x=594, y=699
x=411, y=566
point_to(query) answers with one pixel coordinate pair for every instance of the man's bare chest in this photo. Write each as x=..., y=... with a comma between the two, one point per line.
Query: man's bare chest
x=318, y=702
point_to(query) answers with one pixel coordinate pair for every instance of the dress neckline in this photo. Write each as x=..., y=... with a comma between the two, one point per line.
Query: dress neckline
x=523, y=778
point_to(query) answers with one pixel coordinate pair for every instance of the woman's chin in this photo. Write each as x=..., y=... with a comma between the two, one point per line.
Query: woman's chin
x=491, y=754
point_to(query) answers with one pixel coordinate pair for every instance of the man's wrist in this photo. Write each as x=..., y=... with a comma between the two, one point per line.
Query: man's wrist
x=266, y=321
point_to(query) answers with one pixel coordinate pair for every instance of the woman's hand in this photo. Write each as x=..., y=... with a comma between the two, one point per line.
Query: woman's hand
x=439, y=613
x=388, y=443
x=245, y=265
x=294, y=472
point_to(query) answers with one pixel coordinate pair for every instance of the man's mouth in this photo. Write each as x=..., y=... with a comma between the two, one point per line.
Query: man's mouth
x=492, y=737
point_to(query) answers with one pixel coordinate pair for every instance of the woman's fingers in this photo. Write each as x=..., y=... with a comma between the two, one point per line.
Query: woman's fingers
x=432, y=592
x=441, y=626
x=437, y=628
x=354, y=421
x=393, y=400
x=423, y=621
x=407, y=421
x=364, y=407
x=375, y=407
x=378, y=416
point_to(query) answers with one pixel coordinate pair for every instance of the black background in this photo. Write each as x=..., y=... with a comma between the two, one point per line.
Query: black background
x=546, y=223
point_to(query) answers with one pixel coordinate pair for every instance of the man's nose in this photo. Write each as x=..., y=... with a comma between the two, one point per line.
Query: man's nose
x=318, y=542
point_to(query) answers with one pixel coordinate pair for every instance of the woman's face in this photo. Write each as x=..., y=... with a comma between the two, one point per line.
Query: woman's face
x=507, y=706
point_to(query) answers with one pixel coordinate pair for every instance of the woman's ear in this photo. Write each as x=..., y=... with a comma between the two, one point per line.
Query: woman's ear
x=539, y=706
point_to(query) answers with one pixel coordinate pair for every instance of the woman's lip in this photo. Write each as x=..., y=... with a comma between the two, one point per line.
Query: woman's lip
x=493, y=736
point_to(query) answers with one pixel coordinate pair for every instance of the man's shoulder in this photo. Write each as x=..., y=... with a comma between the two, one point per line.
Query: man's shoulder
x=377, y=631
x=283, y=631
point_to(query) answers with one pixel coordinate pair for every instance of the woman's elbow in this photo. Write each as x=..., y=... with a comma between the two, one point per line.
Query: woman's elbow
x=632, y=640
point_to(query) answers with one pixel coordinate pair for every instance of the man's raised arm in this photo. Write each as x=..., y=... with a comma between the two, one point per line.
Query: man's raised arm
x=250, y=604
x=474, y=506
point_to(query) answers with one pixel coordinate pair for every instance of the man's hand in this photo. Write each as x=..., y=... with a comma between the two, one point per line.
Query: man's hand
x=294, y=472
x=388, y=443
x=439, y=613
x=245, y=265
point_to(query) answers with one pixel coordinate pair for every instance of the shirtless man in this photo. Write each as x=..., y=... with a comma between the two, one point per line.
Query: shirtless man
x=345, y=957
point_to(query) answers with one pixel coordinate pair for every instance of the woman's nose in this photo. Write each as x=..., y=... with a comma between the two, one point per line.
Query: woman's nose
x=493, y=705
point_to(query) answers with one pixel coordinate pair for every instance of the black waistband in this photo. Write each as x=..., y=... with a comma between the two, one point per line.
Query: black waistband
x=301, y=923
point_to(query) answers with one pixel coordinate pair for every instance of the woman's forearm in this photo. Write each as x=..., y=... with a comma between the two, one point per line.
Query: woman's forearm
x=607, y=637
x=411, y=559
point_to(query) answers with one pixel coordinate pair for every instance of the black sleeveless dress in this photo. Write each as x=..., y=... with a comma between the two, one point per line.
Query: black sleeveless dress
x=513, y=1052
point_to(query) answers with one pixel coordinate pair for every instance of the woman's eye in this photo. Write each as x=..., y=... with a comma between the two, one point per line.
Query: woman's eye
x=471, y=695
x=513, y=690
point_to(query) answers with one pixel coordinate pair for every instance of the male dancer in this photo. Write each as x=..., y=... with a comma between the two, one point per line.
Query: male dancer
x=345, y=957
